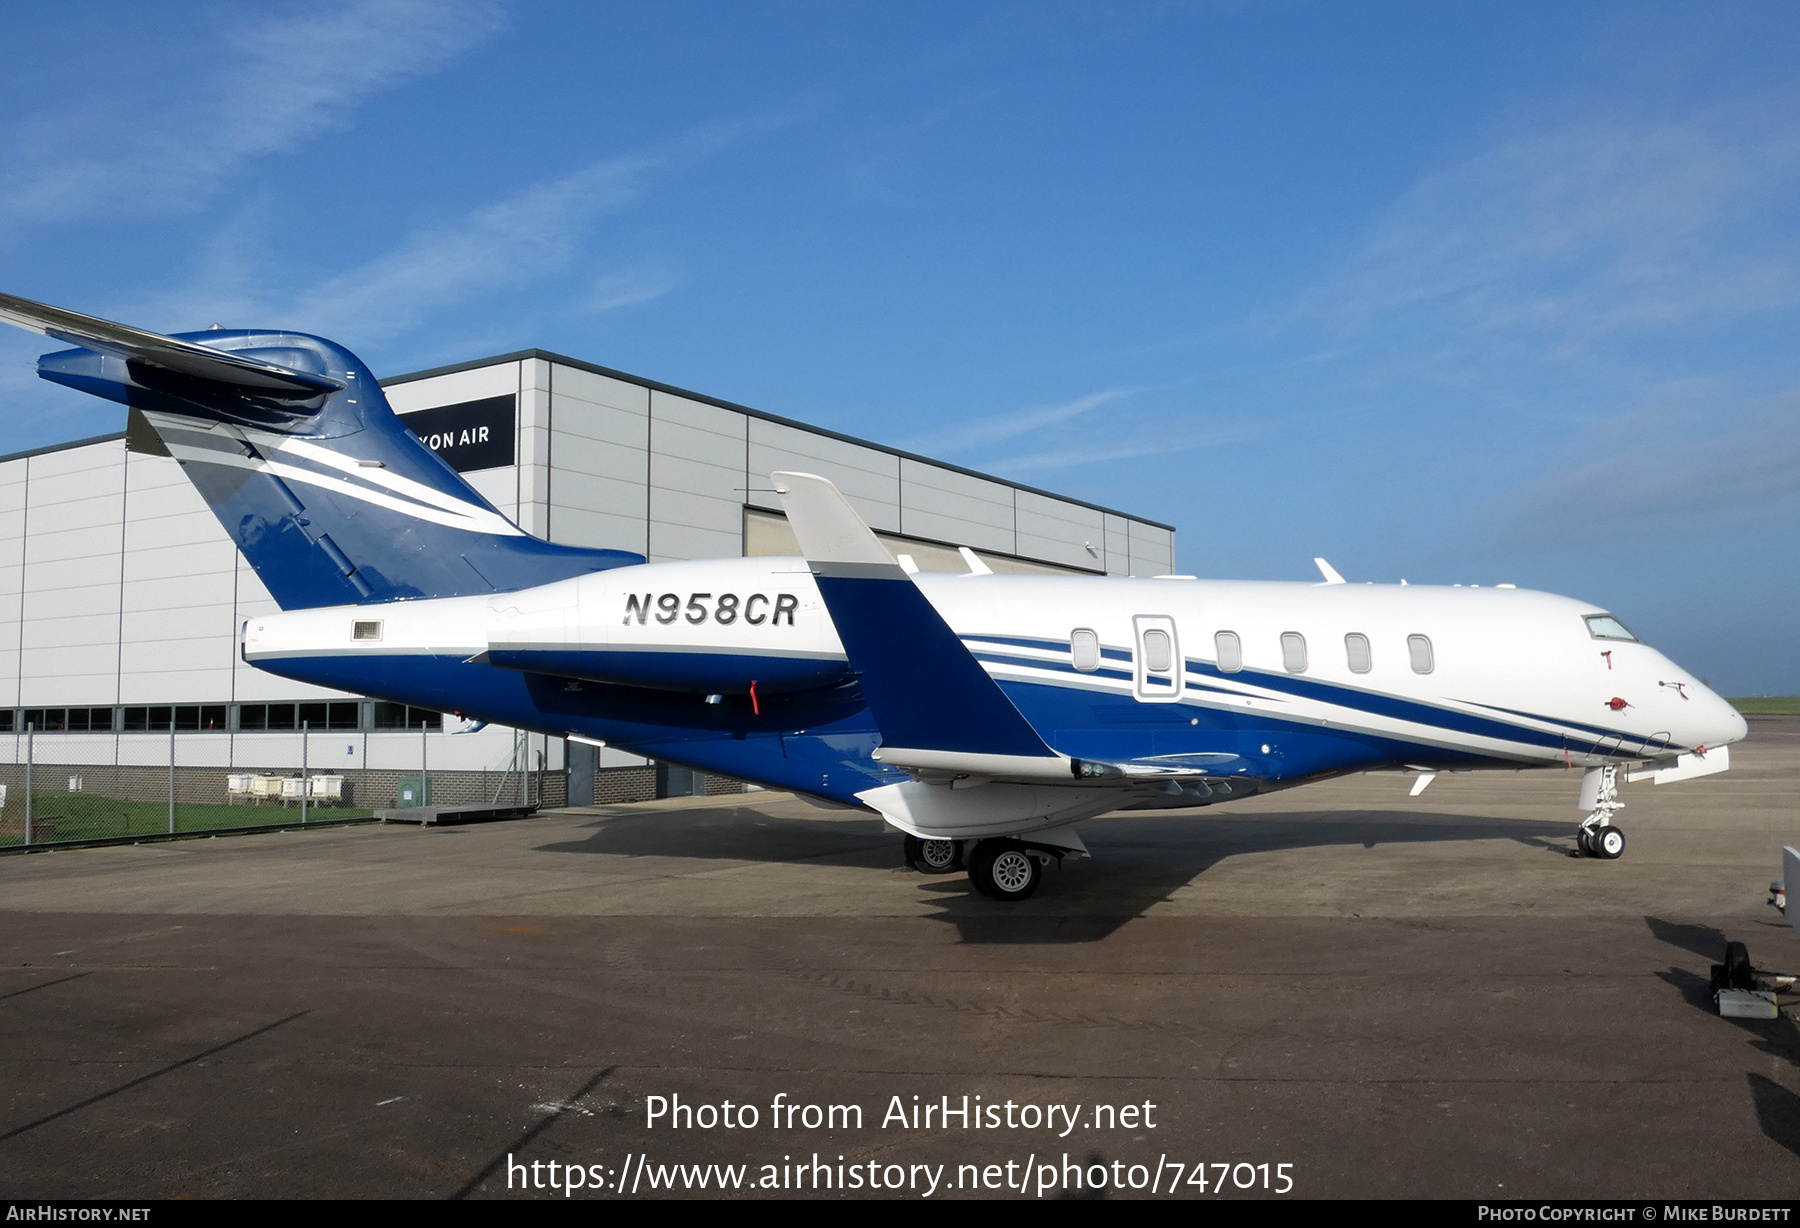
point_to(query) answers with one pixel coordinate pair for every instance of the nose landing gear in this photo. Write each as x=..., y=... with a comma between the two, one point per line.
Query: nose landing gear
x=1597, y=837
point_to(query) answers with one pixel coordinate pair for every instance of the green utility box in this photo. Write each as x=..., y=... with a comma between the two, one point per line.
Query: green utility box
x=414, y=791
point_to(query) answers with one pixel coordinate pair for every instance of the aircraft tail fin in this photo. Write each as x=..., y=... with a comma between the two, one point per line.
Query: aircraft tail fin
x=925, y=691
x=291, y=442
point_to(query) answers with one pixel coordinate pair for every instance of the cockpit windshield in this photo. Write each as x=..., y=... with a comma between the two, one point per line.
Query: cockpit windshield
x=1606, y=627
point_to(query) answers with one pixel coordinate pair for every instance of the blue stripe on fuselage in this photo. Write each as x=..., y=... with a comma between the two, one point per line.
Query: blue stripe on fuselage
x=1418, y=712
x=1373, y=702
x=1602, y=730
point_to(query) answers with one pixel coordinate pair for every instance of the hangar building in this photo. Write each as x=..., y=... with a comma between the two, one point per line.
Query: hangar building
x=121, y=596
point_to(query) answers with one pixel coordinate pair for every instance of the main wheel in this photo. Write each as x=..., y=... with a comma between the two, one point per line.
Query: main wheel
x=933, y=856
x=1002, y=870
x=1738, y=972
x=1584, y=847
x=1608, y=843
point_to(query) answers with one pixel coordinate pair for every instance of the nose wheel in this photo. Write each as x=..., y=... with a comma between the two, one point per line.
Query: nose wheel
x=1606, y=843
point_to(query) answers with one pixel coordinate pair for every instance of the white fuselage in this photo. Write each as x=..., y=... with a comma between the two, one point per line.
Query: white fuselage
x=1512, y=676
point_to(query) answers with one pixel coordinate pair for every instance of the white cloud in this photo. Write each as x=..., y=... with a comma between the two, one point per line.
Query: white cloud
x=510, y=242
x=1554, y=241
x=1687, y=463
x=265, y=85
x=533, y=237
x=1151, y=441
x=1011, y=425
x=1067, y=434
x=630, y=286
x=1601, y=297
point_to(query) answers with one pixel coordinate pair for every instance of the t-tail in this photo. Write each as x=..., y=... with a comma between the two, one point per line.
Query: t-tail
x=291, y=442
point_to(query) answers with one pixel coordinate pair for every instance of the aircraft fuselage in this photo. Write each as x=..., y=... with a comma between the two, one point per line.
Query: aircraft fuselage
x=733, y=666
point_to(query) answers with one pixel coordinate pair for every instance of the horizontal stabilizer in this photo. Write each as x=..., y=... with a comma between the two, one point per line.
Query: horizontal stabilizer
x=923, y=688
x=165, y=353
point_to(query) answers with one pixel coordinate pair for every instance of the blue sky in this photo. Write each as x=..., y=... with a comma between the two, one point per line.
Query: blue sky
x=1465, y=293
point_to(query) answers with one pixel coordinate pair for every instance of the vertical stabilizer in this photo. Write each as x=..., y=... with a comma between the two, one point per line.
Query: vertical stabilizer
x=291, y=442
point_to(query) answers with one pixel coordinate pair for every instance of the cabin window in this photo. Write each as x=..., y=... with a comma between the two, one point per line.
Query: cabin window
x=1356, y=648
x=369, y=629
x=1159, y=656
x=1229, y=651
x=1084, y=650
x=1293, y=652
x=1418, y=647
x=1606, y=627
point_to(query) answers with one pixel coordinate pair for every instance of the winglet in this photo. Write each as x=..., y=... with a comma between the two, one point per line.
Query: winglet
x=827, y=527
x=923, y=688
x=976, y=566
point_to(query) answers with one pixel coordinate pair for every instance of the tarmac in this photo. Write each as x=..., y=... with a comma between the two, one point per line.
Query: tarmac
x=1392, y=996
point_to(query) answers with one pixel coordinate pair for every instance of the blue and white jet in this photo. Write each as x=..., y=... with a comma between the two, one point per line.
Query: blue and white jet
x=983, y=716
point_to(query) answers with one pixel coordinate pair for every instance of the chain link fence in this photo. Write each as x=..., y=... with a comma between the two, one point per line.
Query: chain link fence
x=62, y=790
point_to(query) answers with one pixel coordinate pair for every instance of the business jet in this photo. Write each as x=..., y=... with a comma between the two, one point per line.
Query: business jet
x=983, y=716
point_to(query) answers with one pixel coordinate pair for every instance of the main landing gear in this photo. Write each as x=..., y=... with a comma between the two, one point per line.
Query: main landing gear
x=1001, y=869
x=1597, y=837
x=933, y=856
x=1005, y=869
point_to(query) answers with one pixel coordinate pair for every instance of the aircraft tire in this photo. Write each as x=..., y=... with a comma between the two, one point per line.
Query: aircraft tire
x=1003, y=870
x=1584, y=847
x=1608, y=844
x=933, y=856
x=1736, y=972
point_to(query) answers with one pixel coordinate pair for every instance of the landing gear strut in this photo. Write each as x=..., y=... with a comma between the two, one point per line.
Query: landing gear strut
x=933, y=856
x=1597, y=837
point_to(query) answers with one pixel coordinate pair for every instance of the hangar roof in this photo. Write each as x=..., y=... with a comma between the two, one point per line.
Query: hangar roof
x=703, y=398
x=658, y=386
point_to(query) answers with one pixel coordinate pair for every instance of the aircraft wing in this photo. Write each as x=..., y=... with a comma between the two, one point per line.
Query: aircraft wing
x=164, y=353
x=979, y=767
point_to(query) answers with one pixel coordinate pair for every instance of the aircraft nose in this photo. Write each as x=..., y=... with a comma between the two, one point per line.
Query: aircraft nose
x=1721, y=724
x=1740, y=728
